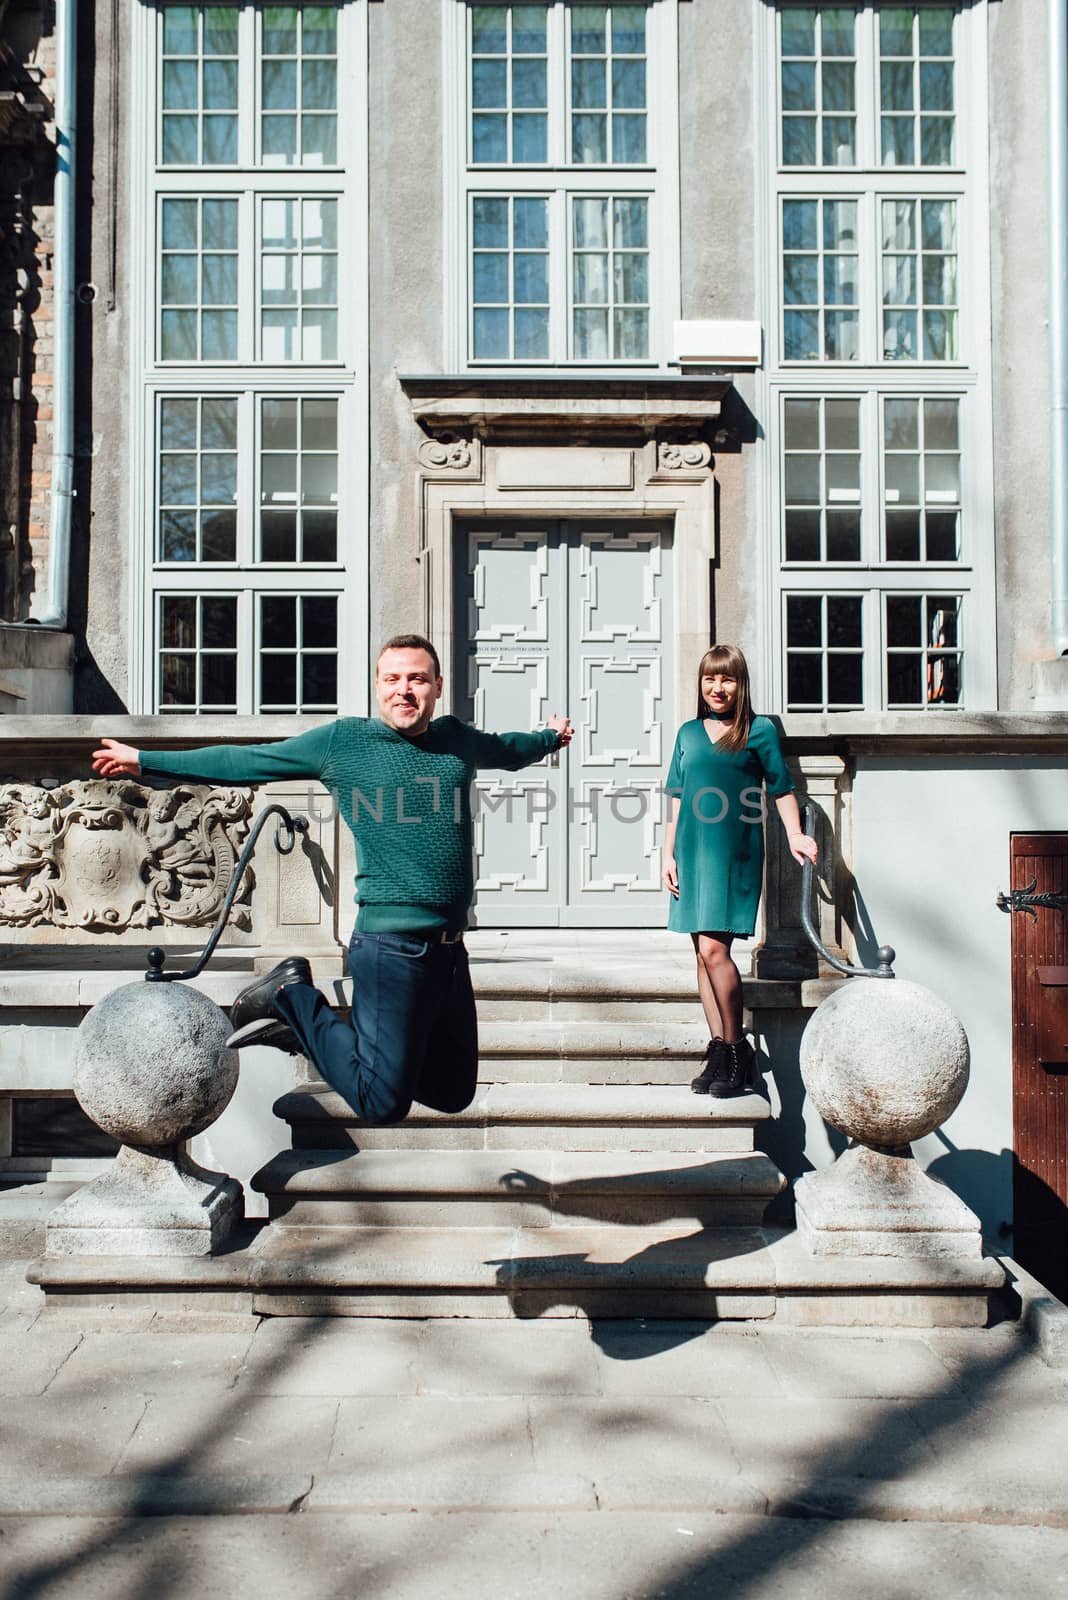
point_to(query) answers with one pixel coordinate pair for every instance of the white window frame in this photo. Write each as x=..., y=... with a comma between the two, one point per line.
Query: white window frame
x=870, y=378
x=657, y=177
x=249, y=379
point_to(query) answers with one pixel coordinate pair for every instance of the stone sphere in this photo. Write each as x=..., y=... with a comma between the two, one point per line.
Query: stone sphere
x=884, y=1060
x=151, y=1065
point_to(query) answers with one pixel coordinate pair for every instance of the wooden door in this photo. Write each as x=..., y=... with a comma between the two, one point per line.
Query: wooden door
x=1040, y=1059
x=567, y=616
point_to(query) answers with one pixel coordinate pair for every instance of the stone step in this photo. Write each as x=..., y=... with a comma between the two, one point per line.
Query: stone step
x=561, y=1116
x=515, y=1188
x=541, y=1272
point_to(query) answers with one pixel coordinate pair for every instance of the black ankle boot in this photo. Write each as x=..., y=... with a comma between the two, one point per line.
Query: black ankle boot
x=714, y=1070
x=740, y=1062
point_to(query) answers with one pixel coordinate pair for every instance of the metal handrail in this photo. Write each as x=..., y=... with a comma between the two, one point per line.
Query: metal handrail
x=285, y=837
x=885, y=954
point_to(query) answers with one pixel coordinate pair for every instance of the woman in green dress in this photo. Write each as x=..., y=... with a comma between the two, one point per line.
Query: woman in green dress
x=714, y=848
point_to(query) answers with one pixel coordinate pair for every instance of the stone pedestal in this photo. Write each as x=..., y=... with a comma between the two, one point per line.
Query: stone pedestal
x=150, y=1203
x=880, y=1203
x=151, y=1068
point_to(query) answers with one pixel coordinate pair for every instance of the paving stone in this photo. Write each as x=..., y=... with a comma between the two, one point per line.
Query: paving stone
x=332, y=1356
x=827, y=1366
x=625, y=1439
x=811, y=1438
x=447, y=1489
x=241, y=1434
x=681, y=1358
x=28, y=1363
x=201, y=1363
x=147, y=1495
x=477, y=1433
x=68, y=1435
x=597, y=1555
x=507, y=1358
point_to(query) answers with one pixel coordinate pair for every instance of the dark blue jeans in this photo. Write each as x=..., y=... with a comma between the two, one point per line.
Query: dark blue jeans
x=413, y=1036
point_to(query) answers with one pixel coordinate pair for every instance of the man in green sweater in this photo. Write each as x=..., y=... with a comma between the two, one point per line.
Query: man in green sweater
x=402, y=782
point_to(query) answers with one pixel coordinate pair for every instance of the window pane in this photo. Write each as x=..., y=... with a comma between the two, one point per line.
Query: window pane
x=319, y=530
x=631, y=329
x=902, y=536
x=180, y=81
x=591, y=223
x=588, y=32
x=489, y=29
x=843, y=424
x=801, y=331
x=528, y=29
x=799, y=141
x=628, y=85
x=799, y=31
x=178, y=480
x=843, y=535
x=218, y=536
x=591, y=335
x=218, y=620
x=531, y=279
x=178, y=535
x=800, y=224
x=218, y=479
x=903, y=673
x=589, y=89
x=278, y=536
x=489, y=139
x=218, y=680
x=491, y=335
x=936, y=31
x=180, y=30
x=220, y=85
x=531, y=335
x=804, y=625
x=799, y=85
x=178, y=425
x=319, y=418
x=278, y=615
x=318, y=679
x=179, y=614
x=628, y=30
x=591, y=279
x=490, y=223
x=903, y=626
x=801, y=424
x=589, y=138
x=936, y=86
x=901, y=424
x=279, y=424
x=804, y=680
x=940, y=424
x=531, y=224
x=630, y=217
x=628, y=139
x=318, y=81
x=898, y=142
x=895, y=31
x=177, y=680
x=837, y=27
x=278, y=680
x=845, y=680
x=843, y=620
x=802, y=535
x=530, y=138
x=903, y=480
x=491, y=278
x=489, y=83
x=803, y=480
x=942, y=536
x=529, y=83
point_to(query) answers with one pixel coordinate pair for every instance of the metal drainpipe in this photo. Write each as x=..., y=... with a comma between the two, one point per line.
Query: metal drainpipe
x=1058, y=319
x=53, y=612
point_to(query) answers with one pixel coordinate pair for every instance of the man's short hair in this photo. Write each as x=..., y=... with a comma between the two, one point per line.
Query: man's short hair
x=410, y=641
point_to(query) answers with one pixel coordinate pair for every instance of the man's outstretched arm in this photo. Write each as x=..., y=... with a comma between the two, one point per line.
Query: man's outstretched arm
x=510, y=751
x=301, y=757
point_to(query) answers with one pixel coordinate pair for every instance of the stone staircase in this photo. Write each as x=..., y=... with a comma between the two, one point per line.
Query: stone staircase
x=585, y=1179
x=584, y=1174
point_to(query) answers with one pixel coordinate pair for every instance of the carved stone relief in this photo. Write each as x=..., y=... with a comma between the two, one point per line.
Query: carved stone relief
x=688, y=456
x=113, y=855
x=449, y=453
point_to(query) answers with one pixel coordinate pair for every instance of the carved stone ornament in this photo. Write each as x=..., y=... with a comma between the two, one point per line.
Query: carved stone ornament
x=113, y=855
x=449, y=453
x=677, y=457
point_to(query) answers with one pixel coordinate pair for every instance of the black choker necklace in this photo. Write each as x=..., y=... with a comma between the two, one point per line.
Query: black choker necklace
x=721, y=716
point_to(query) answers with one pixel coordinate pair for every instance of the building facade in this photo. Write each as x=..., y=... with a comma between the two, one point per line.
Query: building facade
x=579, y=335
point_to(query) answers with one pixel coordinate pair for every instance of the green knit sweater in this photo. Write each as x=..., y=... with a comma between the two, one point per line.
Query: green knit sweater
x=407, y=801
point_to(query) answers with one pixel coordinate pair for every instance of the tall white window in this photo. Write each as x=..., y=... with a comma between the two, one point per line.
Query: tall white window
x=878, y=385
x=251, y=199
x=566, y=184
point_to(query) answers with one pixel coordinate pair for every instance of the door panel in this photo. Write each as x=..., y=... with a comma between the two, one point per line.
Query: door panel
x=1040, y=1061
x=570, y=618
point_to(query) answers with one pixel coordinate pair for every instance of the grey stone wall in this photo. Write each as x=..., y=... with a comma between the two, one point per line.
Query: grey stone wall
x=1019, y=313
x=103, y=524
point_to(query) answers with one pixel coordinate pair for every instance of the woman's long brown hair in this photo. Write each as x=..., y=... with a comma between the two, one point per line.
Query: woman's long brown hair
x=728, y=659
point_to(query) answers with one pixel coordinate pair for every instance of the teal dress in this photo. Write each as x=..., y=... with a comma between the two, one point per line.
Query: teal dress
x=719, y=841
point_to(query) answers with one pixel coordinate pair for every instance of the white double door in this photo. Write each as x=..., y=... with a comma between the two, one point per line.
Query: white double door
x=573, y=618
